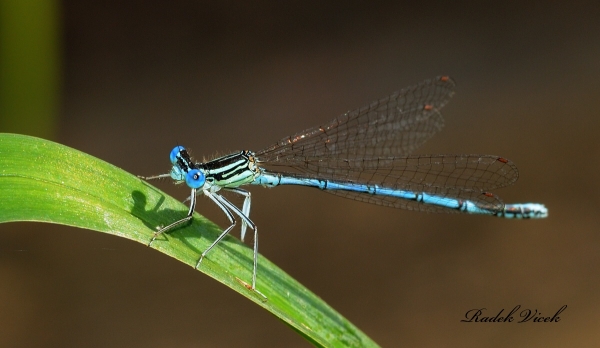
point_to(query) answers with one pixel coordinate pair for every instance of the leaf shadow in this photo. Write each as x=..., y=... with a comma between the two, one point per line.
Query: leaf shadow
x=154, y=217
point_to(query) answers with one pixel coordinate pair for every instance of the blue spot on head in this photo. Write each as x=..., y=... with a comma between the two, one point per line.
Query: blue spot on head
x=175, y=153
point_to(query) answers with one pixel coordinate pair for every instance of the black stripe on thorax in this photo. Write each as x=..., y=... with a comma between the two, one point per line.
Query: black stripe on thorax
x=225, y=167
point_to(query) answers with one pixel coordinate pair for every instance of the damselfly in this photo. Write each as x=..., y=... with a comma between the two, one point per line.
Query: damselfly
x=364, y=155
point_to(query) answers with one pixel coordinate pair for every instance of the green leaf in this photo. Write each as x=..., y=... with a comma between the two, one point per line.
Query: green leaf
x=48, y=182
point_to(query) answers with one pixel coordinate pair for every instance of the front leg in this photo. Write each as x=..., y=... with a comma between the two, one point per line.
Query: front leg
x=178, y=222
x=154, y=176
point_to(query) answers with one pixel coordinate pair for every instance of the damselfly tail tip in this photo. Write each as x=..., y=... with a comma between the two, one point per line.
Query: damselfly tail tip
x=525, y=211
x=539, y=210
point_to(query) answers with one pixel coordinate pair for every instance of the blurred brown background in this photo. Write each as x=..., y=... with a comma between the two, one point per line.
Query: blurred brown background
x=138, y=77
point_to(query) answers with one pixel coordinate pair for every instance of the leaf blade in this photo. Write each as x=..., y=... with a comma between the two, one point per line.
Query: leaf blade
x=48, y=182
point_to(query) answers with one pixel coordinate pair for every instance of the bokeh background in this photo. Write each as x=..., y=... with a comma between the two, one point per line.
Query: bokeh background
x=127, y=80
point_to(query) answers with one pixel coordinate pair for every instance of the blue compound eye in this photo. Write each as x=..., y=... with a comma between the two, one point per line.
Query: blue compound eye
x=174, y=153
x=194, y=178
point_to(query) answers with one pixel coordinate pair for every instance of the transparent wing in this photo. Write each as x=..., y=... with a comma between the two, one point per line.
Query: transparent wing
x=392, y=126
